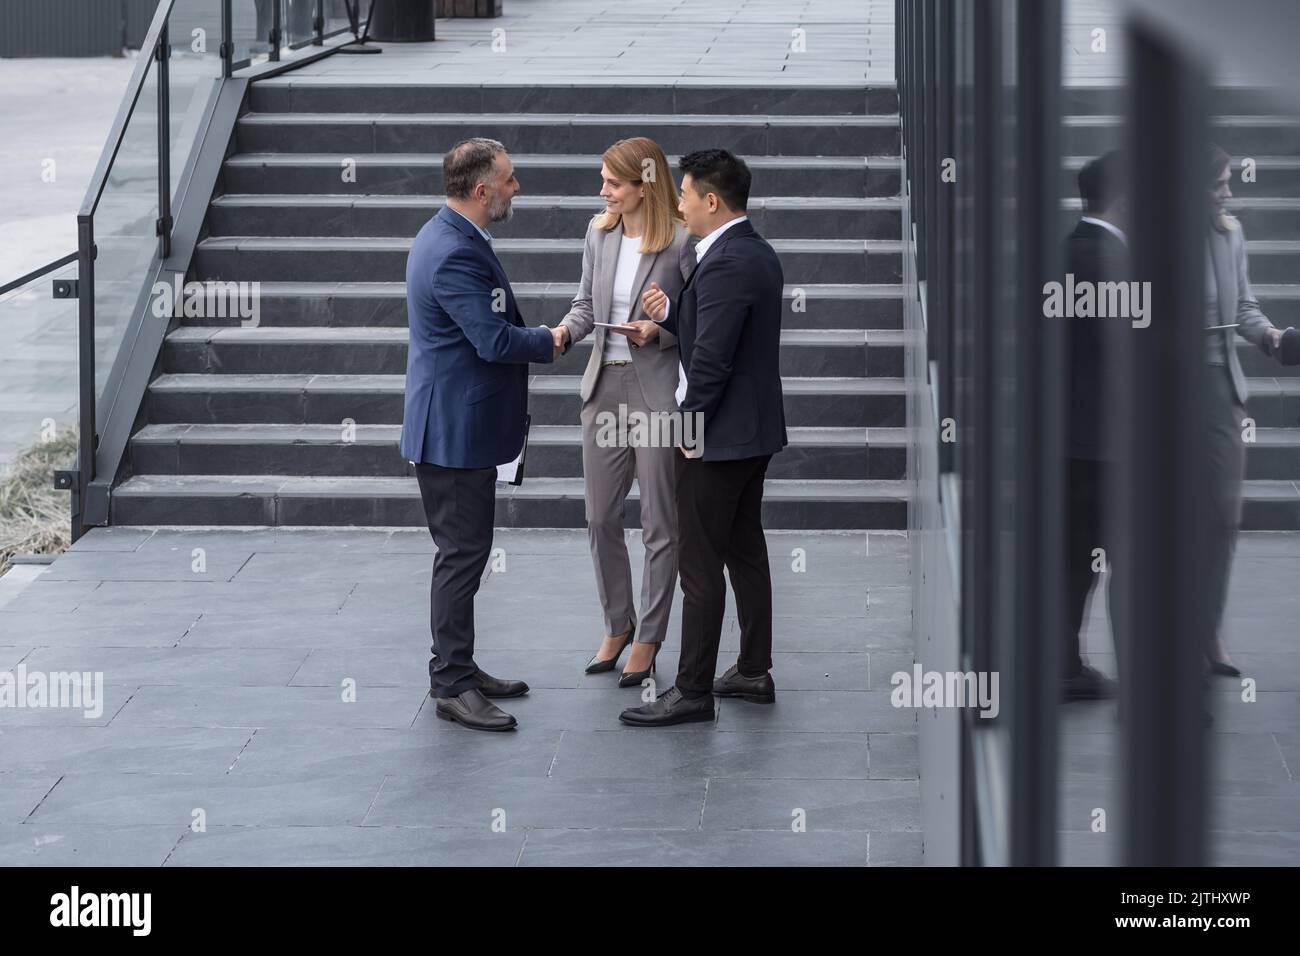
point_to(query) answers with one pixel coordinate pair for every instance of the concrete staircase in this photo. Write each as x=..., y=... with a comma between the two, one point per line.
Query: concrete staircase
x=1269, y=210
x=247, y=425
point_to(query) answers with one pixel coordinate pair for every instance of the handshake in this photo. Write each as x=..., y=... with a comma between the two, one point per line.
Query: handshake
x=639, y=333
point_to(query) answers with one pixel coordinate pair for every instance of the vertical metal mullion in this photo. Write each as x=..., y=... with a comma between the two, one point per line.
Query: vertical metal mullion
x=318, y=24
x=1166, y=624
x=1039, y=486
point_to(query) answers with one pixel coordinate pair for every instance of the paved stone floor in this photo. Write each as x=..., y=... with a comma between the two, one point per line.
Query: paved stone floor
x=224, y=695
x=1254, y=792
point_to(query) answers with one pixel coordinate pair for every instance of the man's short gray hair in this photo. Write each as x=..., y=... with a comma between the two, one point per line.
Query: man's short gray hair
x=468, y=163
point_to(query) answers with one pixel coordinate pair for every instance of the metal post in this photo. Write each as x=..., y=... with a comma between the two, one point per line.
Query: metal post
x=87, y=440
x=1165, y=627
x=1039, y=465
x=227, y=39
x=276, y=33
x=164, y=226
x=318, y=24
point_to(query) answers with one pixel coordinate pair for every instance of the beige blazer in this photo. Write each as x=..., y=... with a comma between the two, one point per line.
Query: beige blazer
x=655, y=364
x=1237, y=303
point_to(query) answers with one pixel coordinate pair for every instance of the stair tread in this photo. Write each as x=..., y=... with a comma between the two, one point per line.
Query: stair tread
x=529, y=160
x=254, y=243
x=866, y=121
x=277, y=433
x=309, y=335
x=842, y=489
x=531, y=200
x=812, y=290
x=279, y=381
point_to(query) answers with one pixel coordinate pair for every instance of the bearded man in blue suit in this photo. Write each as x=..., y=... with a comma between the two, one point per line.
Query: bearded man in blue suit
x=466, y=407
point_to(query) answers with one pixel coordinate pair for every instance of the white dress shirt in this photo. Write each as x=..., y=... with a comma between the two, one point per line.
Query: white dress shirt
x=701, y=248
x=620, y=306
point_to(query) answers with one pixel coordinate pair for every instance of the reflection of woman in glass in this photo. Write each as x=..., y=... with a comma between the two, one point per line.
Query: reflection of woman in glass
x=1229, y=301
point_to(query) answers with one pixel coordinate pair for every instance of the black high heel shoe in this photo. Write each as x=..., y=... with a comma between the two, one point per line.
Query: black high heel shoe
x=598, y=666
x=635, y=678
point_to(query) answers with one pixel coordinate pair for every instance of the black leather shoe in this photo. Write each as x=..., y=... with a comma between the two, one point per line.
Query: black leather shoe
x=474, y=711
x=598, y=666
x=634, y=678
x=1088, y=684
x=756, y=690
x=670, y=708
x=491, y=686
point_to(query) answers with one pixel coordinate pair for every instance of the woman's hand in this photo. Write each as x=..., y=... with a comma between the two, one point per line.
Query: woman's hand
x=640, y=332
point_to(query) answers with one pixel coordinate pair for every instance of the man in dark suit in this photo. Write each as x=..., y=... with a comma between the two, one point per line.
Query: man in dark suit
x=728, y=326
x=1095, y=252
x=466, y=403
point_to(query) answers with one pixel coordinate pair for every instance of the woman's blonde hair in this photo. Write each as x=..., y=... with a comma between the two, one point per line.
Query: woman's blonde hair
x=1224, y=221
x=641, y=160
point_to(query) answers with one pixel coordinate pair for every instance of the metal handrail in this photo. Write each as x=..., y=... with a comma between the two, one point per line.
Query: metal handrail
x=155, y=46
x=43, y=270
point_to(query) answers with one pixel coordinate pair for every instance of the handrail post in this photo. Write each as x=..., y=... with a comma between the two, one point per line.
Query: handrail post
x=227, y=39
x=318, y=24
x=275, y=30
x=86, y=440
x=164, y=226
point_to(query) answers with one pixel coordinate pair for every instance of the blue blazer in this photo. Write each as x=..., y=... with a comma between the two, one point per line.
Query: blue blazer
x=468, y=355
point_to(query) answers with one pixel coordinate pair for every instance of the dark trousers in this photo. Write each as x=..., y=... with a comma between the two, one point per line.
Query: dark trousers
x=719, y=524
x=459, y=506
x=1085, y=530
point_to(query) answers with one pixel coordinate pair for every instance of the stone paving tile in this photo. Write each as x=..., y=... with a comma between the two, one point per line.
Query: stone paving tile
x=38, y=844
x=117, y=748
x=347, y=846
x=308, y=708
x=526, y=753
x=21, y=793
x=602, y=803
x=756, y=804
x=895, y=848
x=125, y=799
x=649, y=847
x=208, y=667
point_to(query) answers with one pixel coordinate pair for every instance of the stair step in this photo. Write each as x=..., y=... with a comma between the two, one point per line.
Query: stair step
x=537, y=503
x=330, y=95
x=544, y=173
x=553, y=451
x=1276, y=175
x=346, y=259
x=553, y=399
x=288, y=214
x=383, y=304
x=377, y=351
x=1245, y=135
x=761, y=135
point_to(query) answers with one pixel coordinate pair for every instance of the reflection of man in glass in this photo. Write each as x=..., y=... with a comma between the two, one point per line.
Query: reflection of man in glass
x=1095, y=252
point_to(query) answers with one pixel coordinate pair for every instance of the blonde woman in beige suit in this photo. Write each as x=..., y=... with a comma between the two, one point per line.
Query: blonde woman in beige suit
x=638, y=239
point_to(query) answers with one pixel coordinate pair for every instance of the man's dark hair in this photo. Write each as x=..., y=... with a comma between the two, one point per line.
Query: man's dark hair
x=467, y=164
x=717, y=171
x=1101, y=181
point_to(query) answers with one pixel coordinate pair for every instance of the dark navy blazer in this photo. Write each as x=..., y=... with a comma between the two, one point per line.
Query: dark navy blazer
x=467, y=363
x=728, y=326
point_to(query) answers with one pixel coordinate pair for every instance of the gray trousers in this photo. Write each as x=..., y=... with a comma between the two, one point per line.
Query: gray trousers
x=1227, y=466
x=608, y=469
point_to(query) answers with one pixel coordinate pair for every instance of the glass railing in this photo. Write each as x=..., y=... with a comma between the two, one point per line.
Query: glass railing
x=125, y=224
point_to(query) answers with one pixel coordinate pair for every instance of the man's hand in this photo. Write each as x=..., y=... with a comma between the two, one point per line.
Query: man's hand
x=655, y=302
x=639, y=332
x=1275, y=339
x=560, y=338
x=689, y=452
